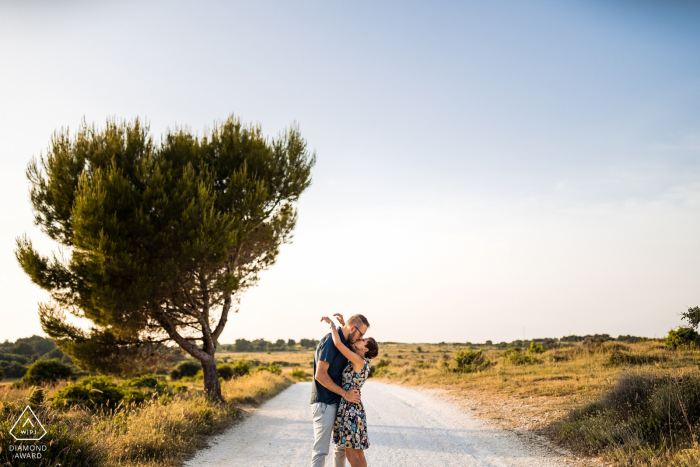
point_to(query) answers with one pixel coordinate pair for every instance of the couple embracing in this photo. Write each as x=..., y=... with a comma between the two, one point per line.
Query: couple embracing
x=341, y=366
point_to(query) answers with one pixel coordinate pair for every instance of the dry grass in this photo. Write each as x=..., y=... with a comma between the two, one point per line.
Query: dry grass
x=540, y=397
x=160, y=432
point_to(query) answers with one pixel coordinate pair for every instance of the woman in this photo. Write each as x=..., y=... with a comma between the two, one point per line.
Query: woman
x=350, y=429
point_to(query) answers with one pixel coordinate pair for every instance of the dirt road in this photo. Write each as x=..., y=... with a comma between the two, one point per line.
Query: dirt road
x=407, y=427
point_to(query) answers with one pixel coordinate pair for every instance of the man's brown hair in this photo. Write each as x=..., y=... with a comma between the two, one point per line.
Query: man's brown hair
x=356, y=320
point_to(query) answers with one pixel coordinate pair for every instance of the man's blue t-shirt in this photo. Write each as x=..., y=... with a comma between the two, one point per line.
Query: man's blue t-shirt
x=328, y=352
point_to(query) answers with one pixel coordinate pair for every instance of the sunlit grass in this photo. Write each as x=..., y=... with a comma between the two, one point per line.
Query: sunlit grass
x=158, y=433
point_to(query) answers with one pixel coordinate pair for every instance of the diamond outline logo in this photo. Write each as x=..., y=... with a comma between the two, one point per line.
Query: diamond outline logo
x=25, y=423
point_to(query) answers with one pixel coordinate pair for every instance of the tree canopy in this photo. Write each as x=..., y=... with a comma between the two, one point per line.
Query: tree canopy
x=158, y=240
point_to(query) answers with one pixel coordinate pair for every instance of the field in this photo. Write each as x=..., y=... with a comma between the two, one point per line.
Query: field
x=160, y=432
x=595, y=397
x=541, y=390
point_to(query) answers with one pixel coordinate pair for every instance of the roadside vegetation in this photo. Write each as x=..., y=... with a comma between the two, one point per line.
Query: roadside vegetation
x=144, y=421
x=632, y=401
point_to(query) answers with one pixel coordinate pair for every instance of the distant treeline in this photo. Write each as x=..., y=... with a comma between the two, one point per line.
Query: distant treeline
x=16, y=356
x=261, y=345
x=553, y=342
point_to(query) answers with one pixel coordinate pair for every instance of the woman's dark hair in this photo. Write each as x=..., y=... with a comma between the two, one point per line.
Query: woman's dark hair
x=372, y=348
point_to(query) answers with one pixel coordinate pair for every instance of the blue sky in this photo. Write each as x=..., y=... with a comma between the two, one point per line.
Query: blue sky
x=485, y=169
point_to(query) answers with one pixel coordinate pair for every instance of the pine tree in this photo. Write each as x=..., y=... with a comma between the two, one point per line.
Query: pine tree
x=158, y=240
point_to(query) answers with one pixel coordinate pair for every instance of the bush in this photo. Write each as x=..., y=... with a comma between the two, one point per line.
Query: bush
x=643, y=411
x=13, y=369
x=36, y=397
x=299, y=374
x=46, y=371
x=536, y=348
x=187, y=368
x=618, y=358
x=468, y=361
x=241, y=367
x=516, y=356
x=225, y=371
x=96, y=392
x=272, y=368
x=145, y=381
x=380, y=367
x=682, y=337
x=179, y=388
x=2, y=374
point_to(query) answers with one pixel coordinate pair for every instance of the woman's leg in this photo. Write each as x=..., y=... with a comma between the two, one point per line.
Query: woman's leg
x=353, y=458
x=361, y=456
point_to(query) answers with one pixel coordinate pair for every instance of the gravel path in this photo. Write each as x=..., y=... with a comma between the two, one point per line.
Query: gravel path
x=407, y=427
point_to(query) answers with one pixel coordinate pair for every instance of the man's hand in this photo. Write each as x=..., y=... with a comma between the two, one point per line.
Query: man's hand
x=352, y=396
x=340, y=318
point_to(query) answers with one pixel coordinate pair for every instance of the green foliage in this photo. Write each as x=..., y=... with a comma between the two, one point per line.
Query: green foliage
x=186, y=368
x=379, y=368
x=67, y=445
x=23, y=348
x=96, y=392
x=47, y=371
x=682, y=337
x=643, y=411
x=308, y=343
x=142, y=219
x=2, y=374
x=468, y=361
x=516, y=356
x=536, y=348
x=243, y=345
x=692, y=316
x=618, y=358
x=241, y=367
x=299, y=374
x=13, y=369
x=225, y=371
x=272, y=368
x=179, y=388
x=36, y=397
x=147, y=382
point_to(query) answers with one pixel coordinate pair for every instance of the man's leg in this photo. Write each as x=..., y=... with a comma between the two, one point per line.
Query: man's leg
x=339, y=456
x=324, y=418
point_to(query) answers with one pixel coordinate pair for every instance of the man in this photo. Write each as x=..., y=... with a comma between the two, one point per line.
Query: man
x=326, y=389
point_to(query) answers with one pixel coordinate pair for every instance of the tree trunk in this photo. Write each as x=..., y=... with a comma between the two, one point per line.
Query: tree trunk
x=212, y=386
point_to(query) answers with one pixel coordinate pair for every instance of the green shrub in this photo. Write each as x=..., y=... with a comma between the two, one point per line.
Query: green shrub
x=516, y=356
x=682, y=337
x=96, y=392
x=36, y=397
x=145, y=381
x=46, y=371
x=469, y=361
x=178, y=388
x=241, y=367
x=187, y=368
x=68, y=445
x=299, y=374
x=225, y=371
x=382, y=366
x=618, y=358
x=2, y=374
x=536, y=348
x=13, y=369
x=642, y=412
x=272, y=368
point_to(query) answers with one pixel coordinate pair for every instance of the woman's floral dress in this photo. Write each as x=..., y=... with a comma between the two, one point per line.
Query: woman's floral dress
x=350, y=429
